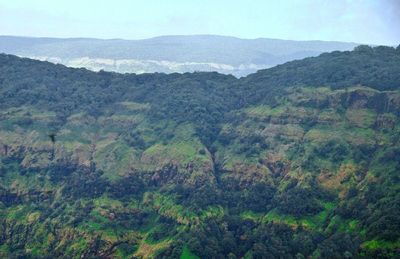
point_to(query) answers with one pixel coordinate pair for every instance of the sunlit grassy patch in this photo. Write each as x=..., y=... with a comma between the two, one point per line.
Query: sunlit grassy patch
x=146, y=250
x=314, y=222
x=380, y=244
x=187, y=254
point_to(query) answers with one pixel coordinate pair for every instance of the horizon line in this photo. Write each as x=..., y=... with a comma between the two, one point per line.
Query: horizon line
x=187, y=35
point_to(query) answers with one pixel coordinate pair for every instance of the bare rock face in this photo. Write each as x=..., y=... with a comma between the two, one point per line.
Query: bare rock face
x=371, y=99
x=357, y=97
x=247, y=175
x=172, y=174
x=37, y=158
x=3, y=149
x=277, y=165
x=9, y=198
x=385, y=121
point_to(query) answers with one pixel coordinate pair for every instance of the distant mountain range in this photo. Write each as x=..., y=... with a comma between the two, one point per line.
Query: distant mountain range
x=168, y=54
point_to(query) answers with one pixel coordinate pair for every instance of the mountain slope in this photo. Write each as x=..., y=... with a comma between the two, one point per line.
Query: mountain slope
x=281, y=163
x=169, y=53
x=374, y=67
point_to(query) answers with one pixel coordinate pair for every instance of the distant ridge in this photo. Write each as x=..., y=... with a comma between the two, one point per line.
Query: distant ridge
x=224, y=54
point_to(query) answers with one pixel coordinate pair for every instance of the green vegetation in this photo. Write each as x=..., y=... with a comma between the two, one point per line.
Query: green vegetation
x=301, y=160
x=186, y=254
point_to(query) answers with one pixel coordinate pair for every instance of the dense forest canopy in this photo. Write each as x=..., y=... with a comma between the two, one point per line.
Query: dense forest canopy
x=298, y=161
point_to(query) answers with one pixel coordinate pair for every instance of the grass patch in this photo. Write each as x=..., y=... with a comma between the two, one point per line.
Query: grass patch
x=134, y=106
x=146, y=250
x=380, y=244
x=187, y=254
x=166, y=206
x=264, y=111
x=251, y=215
x=114, y=159
x=312, y=222
x=178, y=152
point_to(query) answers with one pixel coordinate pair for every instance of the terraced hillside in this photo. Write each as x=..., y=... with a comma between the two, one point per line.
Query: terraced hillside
x=298, y=161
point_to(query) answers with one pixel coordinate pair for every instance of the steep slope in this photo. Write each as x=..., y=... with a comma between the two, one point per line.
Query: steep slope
x=169, y=54
x=282, y=163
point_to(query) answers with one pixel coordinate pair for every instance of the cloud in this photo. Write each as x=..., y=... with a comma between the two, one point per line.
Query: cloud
x=365, y=21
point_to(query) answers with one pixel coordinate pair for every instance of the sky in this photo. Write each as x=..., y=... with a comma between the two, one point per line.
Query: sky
x=361, y=21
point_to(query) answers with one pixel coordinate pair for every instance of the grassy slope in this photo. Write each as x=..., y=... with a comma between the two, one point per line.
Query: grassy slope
x=115, y=157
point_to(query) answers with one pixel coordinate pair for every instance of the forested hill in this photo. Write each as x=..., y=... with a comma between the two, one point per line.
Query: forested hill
x=376, y=67
x=298, y=161
x=196, y=97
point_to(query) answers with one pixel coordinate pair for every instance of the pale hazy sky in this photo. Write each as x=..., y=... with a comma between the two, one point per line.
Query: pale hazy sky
x=363, y=21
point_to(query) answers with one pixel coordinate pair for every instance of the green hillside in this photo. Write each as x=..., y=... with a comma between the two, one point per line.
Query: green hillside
x=298, y=161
